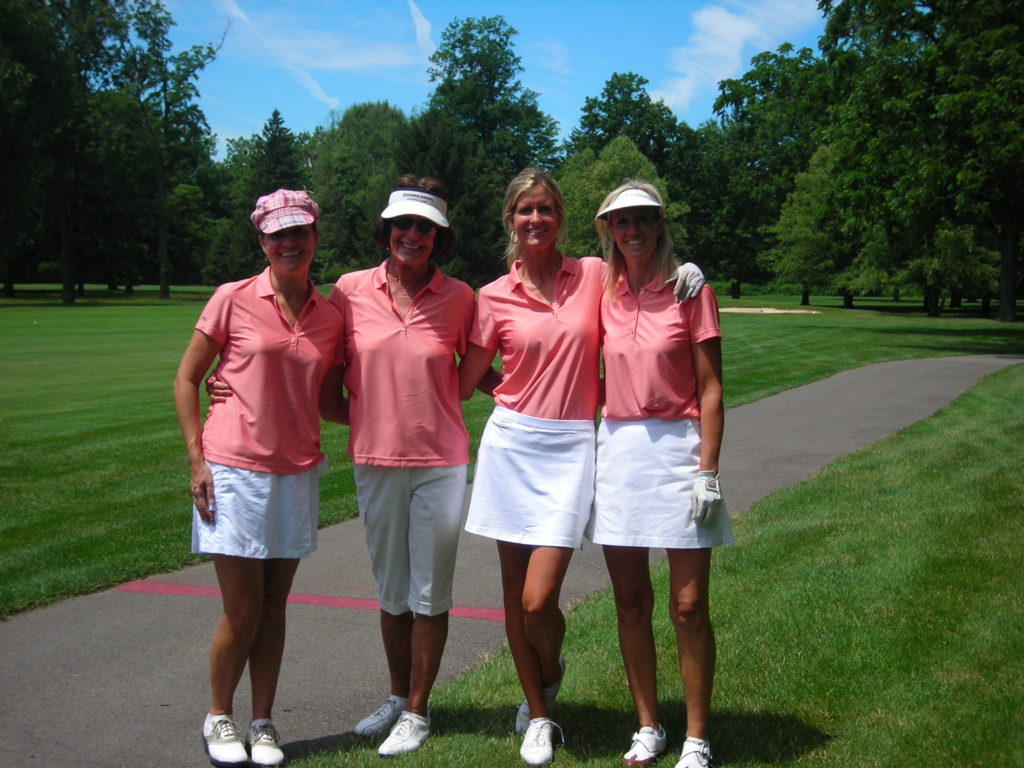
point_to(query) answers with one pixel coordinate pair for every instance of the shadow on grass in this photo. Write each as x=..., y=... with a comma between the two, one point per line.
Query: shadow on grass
x=603, y=734
x=339, y=742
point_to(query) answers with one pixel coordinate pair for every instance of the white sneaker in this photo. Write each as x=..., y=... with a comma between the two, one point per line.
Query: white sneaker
x=539, y=743
x=383, y=720
x=409, y=733
x=696, y=754
x=647, y=745
x=263, y=741
x=550, y=694
x=224, y=744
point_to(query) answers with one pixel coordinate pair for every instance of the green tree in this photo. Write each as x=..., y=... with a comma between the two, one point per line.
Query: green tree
x=435, y=144
x=96, y=73
x=476, y=70
x=277, y=159
x=353, y=161
x=809, y=243
x=771, y=118
x=626, y=109
x=926, y=135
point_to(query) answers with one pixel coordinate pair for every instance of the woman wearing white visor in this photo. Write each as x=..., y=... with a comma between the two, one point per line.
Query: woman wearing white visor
x=405, y=322
x=534, y=479
x=657, y=461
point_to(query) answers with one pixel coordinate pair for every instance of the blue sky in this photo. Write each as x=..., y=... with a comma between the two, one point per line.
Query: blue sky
x=314, y=58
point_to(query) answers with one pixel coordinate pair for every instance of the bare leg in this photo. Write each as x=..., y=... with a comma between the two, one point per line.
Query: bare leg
x=689, y=571
x=429, y=634
x=531, y=579
x=268, y=645
x=630, y=574
x=396, y=632
x=241, y=586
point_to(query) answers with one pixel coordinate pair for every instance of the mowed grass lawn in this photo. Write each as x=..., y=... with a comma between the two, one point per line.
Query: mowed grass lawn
x=94, y=481
x=870, y=616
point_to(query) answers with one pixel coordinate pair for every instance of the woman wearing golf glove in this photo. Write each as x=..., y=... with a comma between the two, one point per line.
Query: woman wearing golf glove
x=657, y=461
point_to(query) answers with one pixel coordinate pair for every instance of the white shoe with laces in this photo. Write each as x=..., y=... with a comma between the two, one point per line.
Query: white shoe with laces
x=550, y=694
x=647, y=746
x=539, y=742
x=224, y=743
x=408, y=735
x=696, y=754
x=383, y=720
x=263, y=741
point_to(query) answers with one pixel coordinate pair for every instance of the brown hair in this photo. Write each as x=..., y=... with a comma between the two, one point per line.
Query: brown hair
x=444, y=239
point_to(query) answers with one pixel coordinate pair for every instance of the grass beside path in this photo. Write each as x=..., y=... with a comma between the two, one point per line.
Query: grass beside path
x=870, y=616
x=93, y=477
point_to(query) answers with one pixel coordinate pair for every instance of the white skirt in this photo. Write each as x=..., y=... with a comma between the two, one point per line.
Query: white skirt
x=645, y=472
x=260, y=514
x=534, y=480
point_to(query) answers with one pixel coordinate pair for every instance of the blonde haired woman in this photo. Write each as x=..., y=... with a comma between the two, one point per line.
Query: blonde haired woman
x=657, y=461
x=534, y=480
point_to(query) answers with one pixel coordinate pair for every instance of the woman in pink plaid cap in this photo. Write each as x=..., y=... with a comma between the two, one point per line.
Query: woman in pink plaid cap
x=256, y=462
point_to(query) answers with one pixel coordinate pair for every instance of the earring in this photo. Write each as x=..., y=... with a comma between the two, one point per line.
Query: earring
x=512, y=236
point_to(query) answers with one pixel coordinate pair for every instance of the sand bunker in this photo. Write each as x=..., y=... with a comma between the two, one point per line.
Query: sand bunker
x=770, y=311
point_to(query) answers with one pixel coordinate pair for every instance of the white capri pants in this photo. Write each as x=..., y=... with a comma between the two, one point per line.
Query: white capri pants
x=411, y=516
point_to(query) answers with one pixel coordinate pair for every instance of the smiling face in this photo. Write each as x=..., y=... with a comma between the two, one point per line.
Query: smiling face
x=410, y=247
x=535, y=219
x=290, y=251
x=636, y=232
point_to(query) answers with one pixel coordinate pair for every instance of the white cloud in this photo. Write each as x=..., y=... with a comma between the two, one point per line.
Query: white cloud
x=723, y=38
x=233, y=10
x=423, y=29
x=549, y=55
x=310, y=84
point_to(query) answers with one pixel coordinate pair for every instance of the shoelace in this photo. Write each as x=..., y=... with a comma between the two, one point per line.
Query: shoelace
x=264, y=733
x=402, y=728
x=225, y=730
x=538, y=732
x=385, y=709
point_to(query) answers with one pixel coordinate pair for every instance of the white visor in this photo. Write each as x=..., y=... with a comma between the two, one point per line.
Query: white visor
x=416, y=202
x=629, y=198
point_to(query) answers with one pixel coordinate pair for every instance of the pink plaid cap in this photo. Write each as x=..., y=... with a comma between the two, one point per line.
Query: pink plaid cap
x=284, y=208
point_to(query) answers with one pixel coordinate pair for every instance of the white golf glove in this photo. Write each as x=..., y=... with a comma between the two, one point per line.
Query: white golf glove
x=688, y=279
x=706, y=496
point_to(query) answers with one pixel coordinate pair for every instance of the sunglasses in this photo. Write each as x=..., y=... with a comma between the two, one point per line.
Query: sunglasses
x=402, y=223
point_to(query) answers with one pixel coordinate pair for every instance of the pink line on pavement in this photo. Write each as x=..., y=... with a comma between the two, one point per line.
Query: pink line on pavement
x=354, y=603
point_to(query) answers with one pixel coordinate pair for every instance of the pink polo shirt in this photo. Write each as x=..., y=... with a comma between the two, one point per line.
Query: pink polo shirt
x=271, y=422
x=648, y=357
x=402, y=378
x=549, y=354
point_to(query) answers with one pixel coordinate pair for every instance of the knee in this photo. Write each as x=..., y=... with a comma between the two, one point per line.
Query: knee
x=689, y=614
x=244, y=621
x=634, y=607
x=539, y=604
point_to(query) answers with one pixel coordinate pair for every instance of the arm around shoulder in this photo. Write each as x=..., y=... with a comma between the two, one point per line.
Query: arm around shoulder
x=472, y=367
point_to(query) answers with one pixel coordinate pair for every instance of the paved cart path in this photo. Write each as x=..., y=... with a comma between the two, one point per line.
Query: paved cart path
x=118, y=678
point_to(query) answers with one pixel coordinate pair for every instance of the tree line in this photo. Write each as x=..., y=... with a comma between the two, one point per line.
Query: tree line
x=888, y=159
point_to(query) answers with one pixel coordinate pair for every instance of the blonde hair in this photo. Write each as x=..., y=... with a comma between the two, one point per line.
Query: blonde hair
x=613, y=257
x=524, y=181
